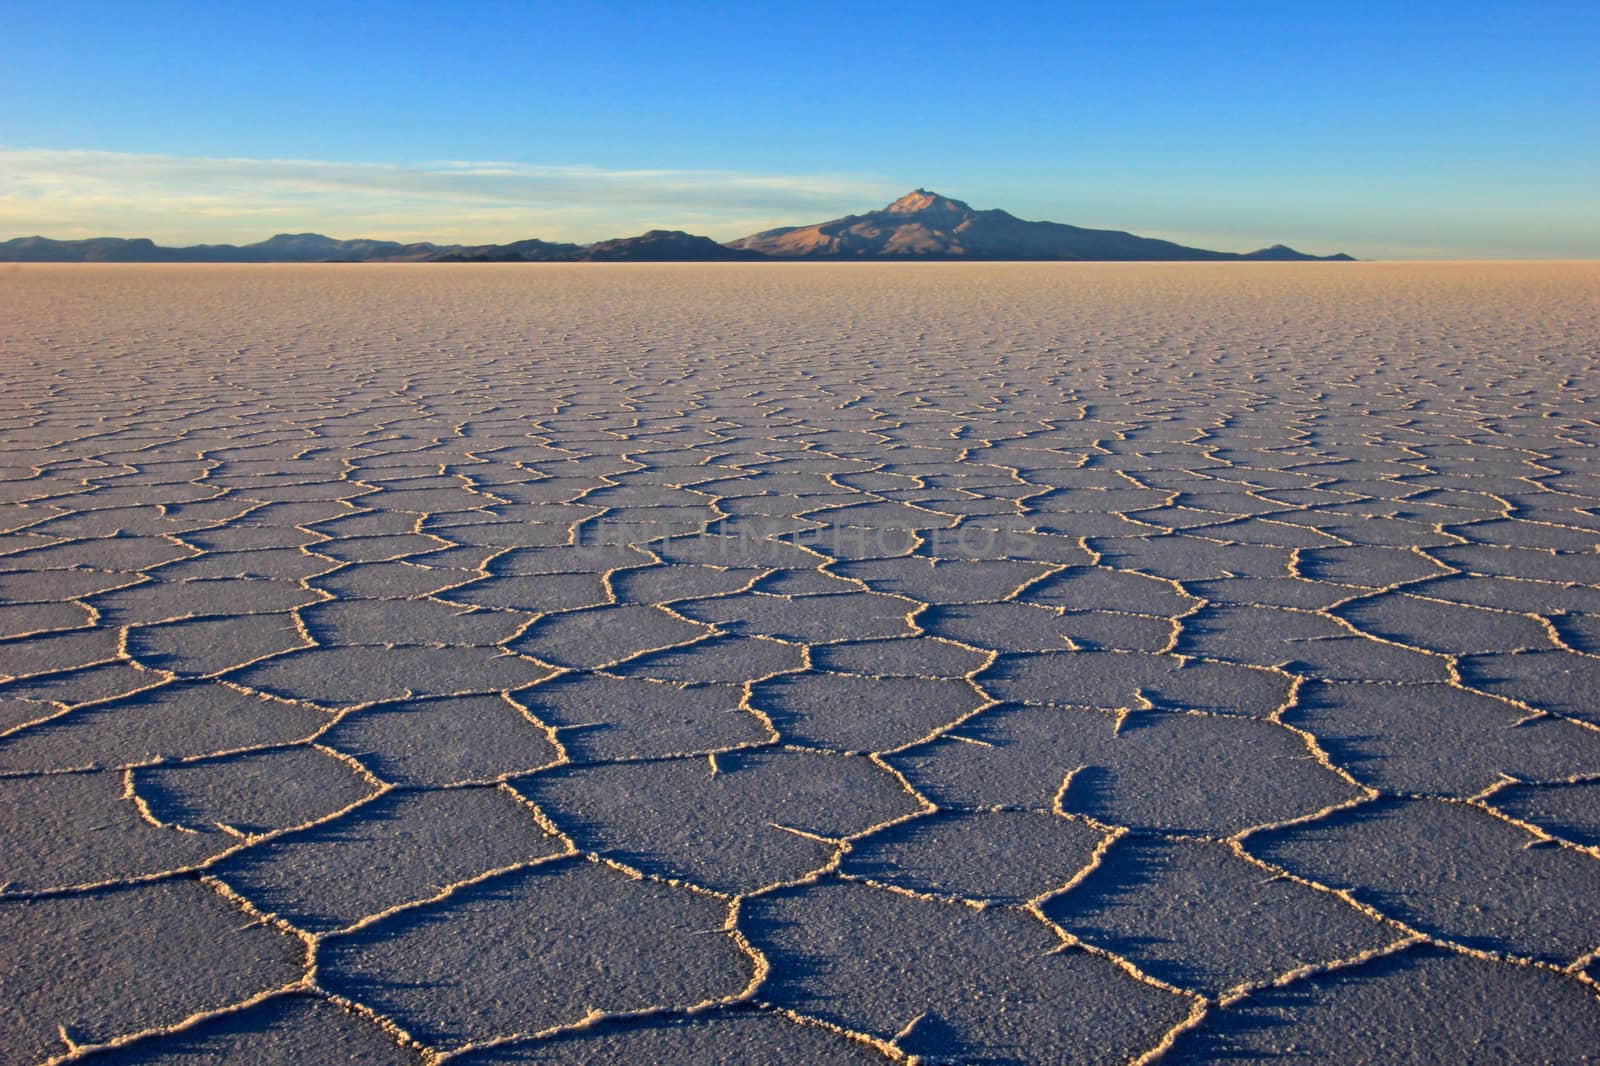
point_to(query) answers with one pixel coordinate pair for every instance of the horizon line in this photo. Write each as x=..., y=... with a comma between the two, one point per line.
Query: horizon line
x=85, y=194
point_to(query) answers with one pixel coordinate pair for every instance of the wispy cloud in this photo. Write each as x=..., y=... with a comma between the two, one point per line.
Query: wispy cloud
x=187, y=200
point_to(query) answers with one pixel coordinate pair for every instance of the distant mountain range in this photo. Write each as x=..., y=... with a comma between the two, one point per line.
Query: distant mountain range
x=925, y=225
x=919, y=225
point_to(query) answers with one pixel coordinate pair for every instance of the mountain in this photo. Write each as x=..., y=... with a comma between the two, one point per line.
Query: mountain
x=1283, y=252
x=284, y=248
x=314, y=247
x=531, y=250
x=664, y=245
x=919, y=225
x=925, y=225
x=656, y=246
x=92, y=250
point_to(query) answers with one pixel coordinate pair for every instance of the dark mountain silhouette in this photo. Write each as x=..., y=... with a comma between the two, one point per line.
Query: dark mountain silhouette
x=313, y=247
x=658, y=245
x=1284, y=252
x=284, y=248
x=919, y=225
x=925, y=225
x=531, y=250
x=663, y=245
x=93, y=250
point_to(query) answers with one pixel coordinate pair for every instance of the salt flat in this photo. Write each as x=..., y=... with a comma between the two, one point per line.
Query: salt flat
x=800, y=663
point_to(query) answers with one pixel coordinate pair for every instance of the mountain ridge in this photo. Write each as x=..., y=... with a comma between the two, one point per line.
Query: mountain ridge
x=925, y=225
x=921, y=225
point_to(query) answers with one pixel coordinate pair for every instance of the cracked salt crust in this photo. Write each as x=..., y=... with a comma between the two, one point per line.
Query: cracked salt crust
x=800, y=663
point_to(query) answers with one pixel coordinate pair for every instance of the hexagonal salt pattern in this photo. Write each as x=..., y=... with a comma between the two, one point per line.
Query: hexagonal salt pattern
x=800, y=663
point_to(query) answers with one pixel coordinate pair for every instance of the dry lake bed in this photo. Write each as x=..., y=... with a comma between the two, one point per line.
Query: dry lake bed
x=796, y=663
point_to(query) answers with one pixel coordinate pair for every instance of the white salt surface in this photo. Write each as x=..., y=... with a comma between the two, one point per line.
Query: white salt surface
x=800, y=663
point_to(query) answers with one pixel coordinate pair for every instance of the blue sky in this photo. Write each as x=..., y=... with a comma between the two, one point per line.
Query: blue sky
x=1427, y=130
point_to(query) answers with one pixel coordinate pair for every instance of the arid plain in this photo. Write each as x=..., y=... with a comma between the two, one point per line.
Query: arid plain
x=789, y=663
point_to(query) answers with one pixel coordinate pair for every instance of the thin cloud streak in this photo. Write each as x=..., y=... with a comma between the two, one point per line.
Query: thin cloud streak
x=79, y=193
